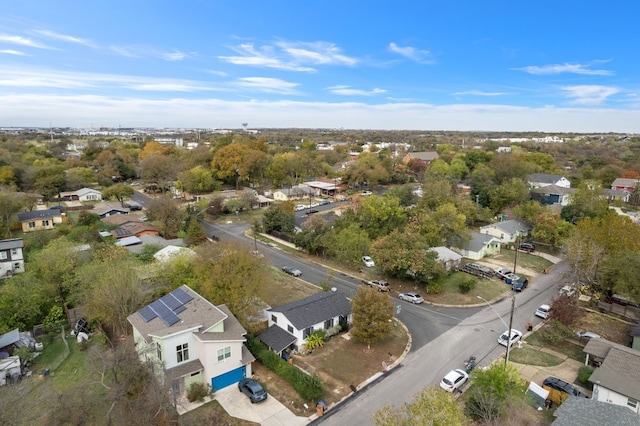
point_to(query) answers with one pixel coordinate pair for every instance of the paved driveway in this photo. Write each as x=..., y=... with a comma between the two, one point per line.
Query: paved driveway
x=268, y=413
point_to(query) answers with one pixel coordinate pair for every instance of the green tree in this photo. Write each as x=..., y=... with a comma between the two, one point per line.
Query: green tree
x=159, y=169
x=586, y=202
x=11, y=202
x=167, y=213
x=119, y=191
x=379, y=215
x=79, y=177
x=430, y=406
x=372, y=312
x=197, y=180
x=493, y=389
x=349, y=244
x=50, y=181
x=279, y=217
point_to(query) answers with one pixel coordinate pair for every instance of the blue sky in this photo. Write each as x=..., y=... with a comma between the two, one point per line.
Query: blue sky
x=552, y=66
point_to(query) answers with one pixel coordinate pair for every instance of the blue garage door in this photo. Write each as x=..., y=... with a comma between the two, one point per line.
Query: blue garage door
x=230, y=378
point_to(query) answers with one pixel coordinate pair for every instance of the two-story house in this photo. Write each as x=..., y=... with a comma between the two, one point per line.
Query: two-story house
x=301, y=318
x=193, y=340
x=506, y=231
x=11, y=257
x=39, y=219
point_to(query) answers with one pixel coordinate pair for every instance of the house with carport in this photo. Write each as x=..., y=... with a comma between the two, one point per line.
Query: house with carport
x=299, y=319
x=616, y=378
x=192, y=340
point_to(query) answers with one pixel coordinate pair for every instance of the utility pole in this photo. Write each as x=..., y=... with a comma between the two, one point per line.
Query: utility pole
x=513, y=302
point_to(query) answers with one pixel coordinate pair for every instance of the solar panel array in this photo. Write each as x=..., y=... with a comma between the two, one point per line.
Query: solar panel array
x=167, y=307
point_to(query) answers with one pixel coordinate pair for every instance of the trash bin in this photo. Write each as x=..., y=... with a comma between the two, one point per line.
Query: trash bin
x=321, y=407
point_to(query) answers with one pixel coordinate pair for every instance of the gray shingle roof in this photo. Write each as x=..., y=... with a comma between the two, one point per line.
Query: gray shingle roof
x=11, y=244
x=544, y=178
x=620, y=370
x=554, y=190
x=589, y=412
x=276, y=338
x=39, y=214
x=315, y=309
x=478, y=241
x=511, y=226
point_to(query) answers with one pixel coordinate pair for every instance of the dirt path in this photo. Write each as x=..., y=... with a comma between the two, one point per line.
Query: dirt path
x=493, y=264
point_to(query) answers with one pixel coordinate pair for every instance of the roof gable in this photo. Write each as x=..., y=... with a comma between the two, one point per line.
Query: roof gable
x=510, y=226
x=11, y=243
x=545, y=178
x=314, y=309
x=620, y=370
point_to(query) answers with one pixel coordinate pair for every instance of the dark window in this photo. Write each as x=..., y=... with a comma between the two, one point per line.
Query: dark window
x=183, y=352
x=290, y=329
x=307, y=332
x=274, y=318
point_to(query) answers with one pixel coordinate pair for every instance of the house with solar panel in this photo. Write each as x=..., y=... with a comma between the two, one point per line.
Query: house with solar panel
x=194, y=341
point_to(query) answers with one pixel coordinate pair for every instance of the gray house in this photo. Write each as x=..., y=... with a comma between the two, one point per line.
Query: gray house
x=507, y=231
x=11, y=257
x=301, y=318
x=479, y=246
x=576, y=411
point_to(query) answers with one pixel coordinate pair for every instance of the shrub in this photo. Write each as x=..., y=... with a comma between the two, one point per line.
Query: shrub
x=198, y=391
x=314, y=340
x=308, y=387
x=555, y=331
x=583, y=375
x=467, y=284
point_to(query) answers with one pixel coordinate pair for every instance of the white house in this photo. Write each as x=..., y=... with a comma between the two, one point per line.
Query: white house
x=479, y=246
x=540, y=180
x=82, y=194
x=193, y=340
x=506, y=231
x=296, y=192
x=301, y=318
x=616, y=379
x=11, y=257
x=449, y=258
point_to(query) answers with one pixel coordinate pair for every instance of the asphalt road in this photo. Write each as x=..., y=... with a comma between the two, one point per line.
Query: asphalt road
x=476, y=335
x=425, y=322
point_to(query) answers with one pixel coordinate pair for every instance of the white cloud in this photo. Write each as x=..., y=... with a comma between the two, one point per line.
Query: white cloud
x=322, y=53
x=589, y=94
x=417, y=55
x=479, y=93
x=266, y=58
x=13, y=52
x=23, y=41
x=348, y=91
x=66, y=38
x=173, y=56
x=564, y=68
x=267, y=85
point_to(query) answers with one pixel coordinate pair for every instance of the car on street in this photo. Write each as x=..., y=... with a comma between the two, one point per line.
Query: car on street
x=252, y=389
x=528, y=247
x=504, y=339
x=368, y=261
x=382, y=286
x=367, y=193
x=587, y=335
x=311, y=211
x=324, y=202
x=543, y=311
x=292, y=271
x=502, y=273
x=511, y=278
x=562, y=386
x=454, y=380
x=411, y=297
x=520, y=284
x=300, y=207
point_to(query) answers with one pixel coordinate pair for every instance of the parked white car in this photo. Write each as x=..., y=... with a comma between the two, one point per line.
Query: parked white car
x=411, y=297
x=368, y=261
x=504, y=337
x=454, y=380
x=543, y=311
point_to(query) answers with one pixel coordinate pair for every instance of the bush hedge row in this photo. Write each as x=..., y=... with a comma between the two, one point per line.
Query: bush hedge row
x=308, y=387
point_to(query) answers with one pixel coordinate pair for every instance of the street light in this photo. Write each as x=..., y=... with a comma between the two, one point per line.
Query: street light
x=496, y=312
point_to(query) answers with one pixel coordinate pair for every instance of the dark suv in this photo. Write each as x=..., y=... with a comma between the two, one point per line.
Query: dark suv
x=562, y=386
x=527, y=247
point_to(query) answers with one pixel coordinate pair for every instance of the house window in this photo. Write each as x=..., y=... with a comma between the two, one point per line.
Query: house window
x=328, y=324
x=307, y=332
x=183, y=352
x=45, y=223
x=274, y=318
x=32, y=224
x=14, y=252
x=632, y=403
x=197, y=373
x=159, y=351
x=290, y=329
x=3, y=255
x=224, y=353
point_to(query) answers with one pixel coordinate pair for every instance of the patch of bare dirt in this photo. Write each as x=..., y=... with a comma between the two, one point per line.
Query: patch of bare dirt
x=496, y=264
x=607, y=326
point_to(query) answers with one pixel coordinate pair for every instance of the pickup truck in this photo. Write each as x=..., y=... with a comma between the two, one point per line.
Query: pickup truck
x=379, y=284
x=503, y=273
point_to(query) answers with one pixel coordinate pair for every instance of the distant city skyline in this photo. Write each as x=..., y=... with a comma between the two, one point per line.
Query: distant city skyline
x=501, y=66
